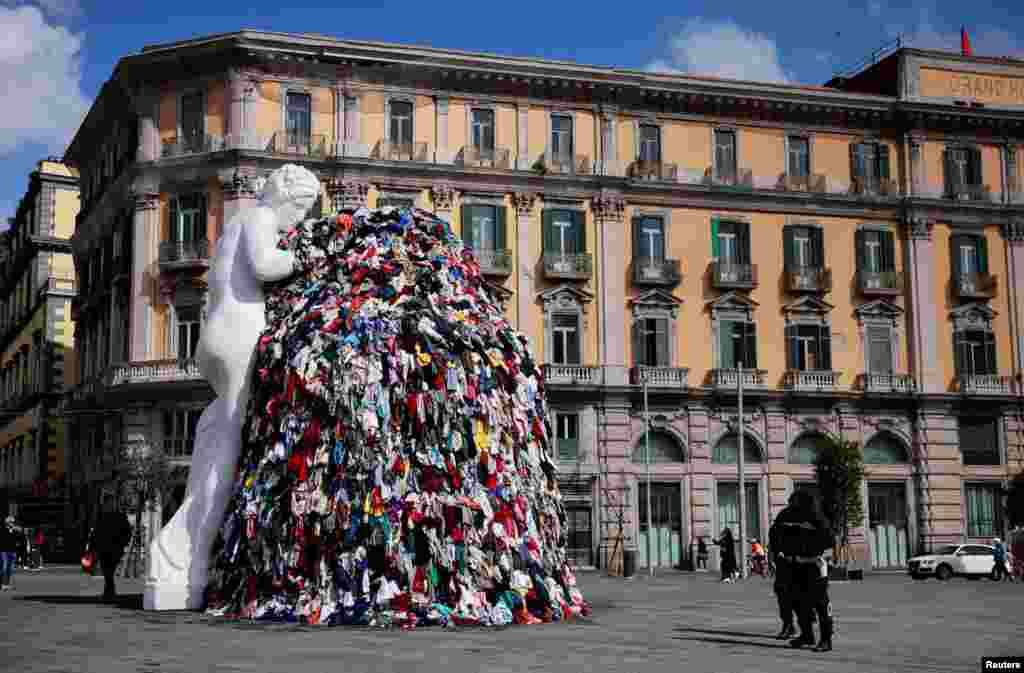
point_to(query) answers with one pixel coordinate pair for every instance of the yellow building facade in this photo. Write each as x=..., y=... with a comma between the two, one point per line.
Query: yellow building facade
x=855, y=248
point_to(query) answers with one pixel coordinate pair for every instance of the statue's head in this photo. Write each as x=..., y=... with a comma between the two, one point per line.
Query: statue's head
x=291, y=191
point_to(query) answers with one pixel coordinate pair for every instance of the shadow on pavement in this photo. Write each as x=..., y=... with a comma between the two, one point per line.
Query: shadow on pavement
x=123, y=601
x=718, y=632
x=727, y=641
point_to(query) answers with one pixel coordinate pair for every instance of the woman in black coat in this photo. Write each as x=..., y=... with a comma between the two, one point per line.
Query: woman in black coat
x=728, y=547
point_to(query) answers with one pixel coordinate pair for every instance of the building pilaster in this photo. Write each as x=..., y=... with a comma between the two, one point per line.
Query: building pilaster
x=609, y=209
x=146, y=225
x=442, y=153
x=524, y=202
x=1013, y=235
x=919, y=263
x=147, y=106
x=523, y=151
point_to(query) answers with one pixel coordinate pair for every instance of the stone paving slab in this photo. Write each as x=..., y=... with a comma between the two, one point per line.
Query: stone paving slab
x=53, y=622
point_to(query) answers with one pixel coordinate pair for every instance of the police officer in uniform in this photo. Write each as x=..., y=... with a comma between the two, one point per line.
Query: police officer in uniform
x=783, y=572
x=804, y=537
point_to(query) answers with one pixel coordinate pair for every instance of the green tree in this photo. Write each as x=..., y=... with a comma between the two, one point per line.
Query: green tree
x=839, y=471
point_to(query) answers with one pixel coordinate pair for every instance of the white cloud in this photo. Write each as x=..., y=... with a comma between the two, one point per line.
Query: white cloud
x=722, y=49
x=40, y=81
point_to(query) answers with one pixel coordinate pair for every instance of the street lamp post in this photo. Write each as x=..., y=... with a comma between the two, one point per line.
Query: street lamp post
x=742, y=481
x=647, y=461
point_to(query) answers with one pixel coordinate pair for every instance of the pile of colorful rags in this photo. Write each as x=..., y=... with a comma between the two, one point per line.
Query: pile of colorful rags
x=396, y=467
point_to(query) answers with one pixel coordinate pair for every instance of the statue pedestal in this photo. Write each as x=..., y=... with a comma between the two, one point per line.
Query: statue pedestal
x=165, y=596
x=169, y=582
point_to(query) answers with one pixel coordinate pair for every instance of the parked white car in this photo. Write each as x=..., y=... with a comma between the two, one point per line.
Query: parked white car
x=965, y=560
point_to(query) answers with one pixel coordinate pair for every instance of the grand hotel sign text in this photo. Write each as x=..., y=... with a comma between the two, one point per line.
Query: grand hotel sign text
x=985, y=88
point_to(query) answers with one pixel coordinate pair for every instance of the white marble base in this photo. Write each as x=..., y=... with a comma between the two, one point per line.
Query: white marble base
x=165, y=596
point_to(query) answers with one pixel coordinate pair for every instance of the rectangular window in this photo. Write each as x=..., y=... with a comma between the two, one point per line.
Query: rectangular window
x=564, y=232
x=650, y=143
x=188, y=338
x=1012, y=173
x=963, y=168
x=799, y=157
x=975, y=352
x=395, y=202
x=803, y=248
x=649, y=238
x=984, y=510
x=483, y=131
x=869, y=164
x=979, y=440
x=652, y=335
x=730, y=241
x=737, y=344
x=192, y=115
x=968, y=255
x=188, y=218
x=298, y=118
x=725, y=154
x=567, y=435
x=561, y=136
x=879, y=342
x=480, y=227
x=401, y=122
x=809, y=348
x=180, y=431
x=565, y=335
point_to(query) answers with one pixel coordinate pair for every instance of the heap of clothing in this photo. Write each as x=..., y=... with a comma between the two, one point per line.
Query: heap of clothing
x=396, y=467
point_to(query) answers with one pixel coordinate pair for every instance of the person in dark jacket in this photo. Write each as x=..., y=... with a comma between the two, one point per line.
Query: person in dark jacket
x=112, y=534
x=728, y=547
x=783, y=571
x=9, y=541
x=804, y=536
x=702, y=554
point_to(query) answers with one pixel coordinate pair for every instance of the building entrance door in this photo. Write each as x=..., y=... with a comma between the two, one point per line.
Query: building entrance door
x=729, y=513
x=579, y=551
x=663, y=544
x=887, y=514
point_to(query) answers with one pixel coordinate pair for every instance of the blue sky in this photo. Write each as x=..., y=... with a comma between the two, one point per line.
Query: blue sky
x=56, y=54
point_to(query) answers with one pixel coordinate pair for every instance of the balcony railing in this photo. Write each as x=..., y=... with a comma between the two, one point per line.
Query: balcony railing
x=983, y=384
x=653, y=170
x=811, y=380
x=567, y=164
x=886, y=383
x=814, y=183
x=494, y=262
x=808, y=279
x=880, y=283
x=300, y=144
x=730, y=275
x=479, y=157
x=153, y=371
x=178, y=254
x=657, y=272
x=192, y=144
x=874, y=187
x=744, y=177
x=975, y=285
x=572, y=375
x=660, y=377
x=389, y=151
x=980, y=193
x=728, y=379
x=572, y=266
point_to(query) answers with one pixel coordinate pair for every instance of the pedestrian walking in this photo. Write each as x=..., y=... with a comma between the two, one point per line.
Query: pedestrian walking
x=804, y=537
x=8, y=552
x=728, y=555
x=1000, y=569
x=702, y=554
x=39, y=545
x=110, y=537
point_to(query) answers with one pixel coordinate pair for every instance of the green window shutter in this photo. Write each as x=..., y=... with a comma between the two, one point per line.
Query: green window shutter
x=715, y=245
x=857, y=160
x=975, y=164
x=579, y=221
x=888, y=251
x=469, y=226
x=637, y=242
x=951, y=175
x=860, y=239
x=788, y=247
x=550, y=235
x=990, y=354
x=500, y=227
x=982, y=244
x=818, y=247
x=792, y=357
x=172, y=219
x=727, y=356
x=825, y=348
x=664, y=355
x=883, y=161
x=750, y=345
x=743, y=242
x=956, y=241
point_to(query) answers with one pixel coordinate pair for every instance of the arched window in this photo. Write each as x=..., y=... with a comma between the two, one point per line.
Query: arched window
x=885, y=449
x=728, y=448
x=804, y=450
x=664, y=449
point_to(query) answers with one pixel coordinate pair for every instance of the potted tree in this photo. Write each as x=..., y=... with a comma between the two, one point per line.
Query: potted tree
x=839, y=472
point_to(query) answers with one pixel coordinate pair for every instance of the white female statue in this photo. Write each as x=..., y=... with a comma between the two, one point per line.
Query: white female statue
x=247, y=256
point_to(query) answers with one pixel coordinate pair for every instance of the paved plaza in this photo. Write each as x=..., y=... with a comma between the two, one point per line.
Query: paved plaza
x=675, y=622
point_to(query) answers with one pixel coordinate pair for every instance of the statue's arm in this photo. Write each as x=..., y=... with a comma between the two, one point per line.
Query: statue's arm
x=269, y=263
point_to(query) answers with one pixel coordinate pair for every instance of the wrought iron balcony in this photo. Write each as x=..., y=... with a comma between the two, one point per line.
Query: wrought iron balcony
x=567, y=164
x=660, y=377
x=494, y=262
x=744, y=177
x=886, y=383
x=653, y=170
x=728, y=379
x=808, y=279
x=880, y=283
x=811, y=380
x=980, y=193
x=975, y=285
x=572, y=375
x=300, y=144
x=656, y=272
x=983, y=384
x=571, y=266
x=153, y=371
x=389, y=151
x=481, y=157
x=874, y=187
x=192, y=144
x=184, y=254
x=732, y=276
x=815, y=183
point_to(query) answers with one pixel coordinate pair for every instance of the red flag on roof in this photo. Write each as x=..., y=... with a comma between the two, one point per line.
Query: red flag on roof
x=965, y=42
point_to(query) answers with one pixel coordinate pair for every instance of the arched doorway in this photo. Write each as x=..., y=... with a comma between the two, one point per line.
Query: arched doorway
x=727, y=490
x=888, y=514
x=662, y=543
